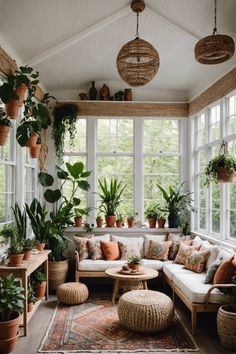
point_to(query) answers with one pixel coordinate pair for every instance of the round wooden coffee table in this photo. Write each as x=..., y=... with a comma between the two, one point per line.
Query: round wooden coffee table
x=147, y=273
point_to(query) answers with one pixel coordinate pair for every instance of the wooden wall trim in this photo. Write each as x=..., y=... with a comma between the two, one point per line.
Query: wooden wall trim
x=131, y=109
x=218, y=90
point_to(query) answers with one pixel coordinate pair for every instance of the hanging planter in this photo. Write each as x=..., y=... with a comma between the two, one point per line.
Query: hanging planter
x=221, y=168
x=5, y=126
x=35, y=150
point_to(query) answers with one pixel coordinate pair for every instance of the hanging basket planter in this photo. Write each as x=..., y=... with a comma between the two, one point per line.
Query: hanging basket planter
x=221, y=169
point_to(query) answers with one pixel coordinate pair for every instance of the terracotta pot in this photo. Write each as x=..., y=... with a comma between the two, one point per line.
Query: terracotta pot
x=32, y=140
x=78, y=221
x=16, y=259
x=30, y=307
x=225, y=175
x=110, y=220
x=4, y=131
x=161, y=223
x=9, y=329
x=12, y=109
x=99, y=222
x=152, y=223
x=8, y=345
x=135, y=267
x=119, y=223
x=34, y=151
x=40, y=290
x=130, y=222
x=27, y=255
x=21, y=91
x=57, y=273
x=40, y=246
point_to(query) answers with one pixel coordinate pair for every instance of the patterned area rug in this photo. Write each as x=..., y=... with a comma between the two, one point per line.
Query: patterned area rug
x=94, y=327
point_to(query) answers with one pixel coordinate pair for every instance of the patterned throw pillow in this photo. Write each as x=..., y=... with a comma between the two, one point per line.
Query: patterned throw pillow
x=95, y=249
x=196, y=261
x=158, y=250
x=174, y=248
x=211, y=271
x=213, y=249
x=183, y=253
x=128, y=250
x=81, y=244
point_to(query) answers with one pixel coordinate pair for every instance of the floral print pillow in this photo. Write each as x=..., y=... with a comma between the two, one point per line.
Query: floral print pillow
x=128, y=250
x=158, y=250
x=196, y=261
x=183, y=253
x=174, y=248
x=95, y=249
x=81, y=244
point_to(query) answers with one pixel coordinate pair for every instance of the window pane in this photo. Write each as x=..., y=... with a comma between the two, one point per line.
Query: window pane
x=201, y=123
x=161, y=135
x=6, y=192
x=115, y=135
x=29, y=182
x=232, y=115
x=215, y=123
x=80, y=138
x=215, y=207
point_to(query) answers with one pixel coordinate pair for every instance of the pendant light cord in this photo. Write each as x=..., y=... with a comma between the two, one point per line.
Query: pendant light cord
x=215, y=11
x=137, y=27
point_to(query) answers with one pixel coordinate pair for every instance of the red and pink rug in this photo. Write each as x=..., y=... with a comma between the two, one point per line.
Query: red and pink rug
x=94, y=327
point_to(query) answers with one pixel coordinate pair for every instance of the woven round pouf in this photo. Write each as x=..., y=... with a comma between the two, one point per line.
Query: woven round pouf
x=145, y=311
x=72, y=293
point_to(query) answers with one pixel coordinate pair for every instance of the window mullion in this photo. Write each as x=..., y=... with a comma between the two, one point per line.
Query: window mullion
x=91, y=166
x=138, y=168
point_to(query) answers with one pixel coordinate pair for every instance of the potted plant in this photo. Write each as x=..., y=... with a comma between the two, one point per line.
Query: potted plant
x=65, y=116
x=161, y=219
x=221, y=168
x=99, y=221
x=151, y=215
x=61, y=214
x=11, y=306
x=27, y=248
x=31, y=298
x=15, y=250
x=119, y=220
x=5, y=126
x=135, y=263
x=37, y=214
x=39, y=284
x=131, y=218
x=78, y=218
x=12, y=92
x=110, y=198
x=175, y=201
x=35, y=150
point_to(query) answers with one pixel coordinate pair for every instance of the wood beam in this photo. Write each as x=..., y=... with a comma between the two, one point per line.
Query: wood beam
x=219, y=89
x=77, y=37
x=7, y=64
x=131, y=109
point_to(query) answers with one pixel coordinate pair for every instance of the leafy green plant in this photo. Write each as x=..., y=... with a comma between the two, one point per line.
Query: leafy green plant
x=212, y=168
x=30, y=296
x=11, y=297
x=119, y=217
x=28, y=244
x=110, y=195
x=62, y=206
x=78, y=212
x=38, y=276
x=135, y=260
x=37, y=214
x=131, y=214
x=9, y=232
x=64, y=121
x=21, y=222
x=151, y=212
x=3, y=118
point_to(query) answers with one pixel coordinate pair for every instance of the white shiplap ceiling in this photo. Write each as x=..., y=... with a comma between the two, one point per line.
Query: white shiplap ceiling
x=72, y=42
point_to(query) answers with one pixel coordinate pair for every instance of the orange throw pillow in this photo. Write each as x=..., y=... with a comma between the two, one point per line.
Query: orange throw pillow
x=224, y=272
x=110, y=250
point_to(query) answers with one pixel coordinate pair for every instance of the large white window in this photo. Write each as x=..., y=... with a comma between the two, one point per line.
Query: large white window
x=216, y=208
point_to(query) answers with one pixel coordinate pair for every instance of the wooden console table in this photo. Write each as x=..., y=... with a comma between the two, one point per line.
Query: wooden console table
x=23, y=272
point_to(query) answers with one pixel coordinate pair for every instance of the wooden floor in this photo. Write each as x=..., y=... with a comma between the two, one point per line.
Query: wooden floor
x=206, y=339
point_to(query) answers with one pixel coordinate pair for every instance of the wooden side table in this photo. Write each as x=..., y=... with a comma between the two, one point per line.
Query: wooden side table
x=23, y=272
x=114, y=273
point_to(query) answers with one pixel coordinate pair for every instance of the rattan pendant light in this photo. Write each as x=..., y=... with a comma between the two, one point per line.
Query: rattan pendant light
x=214, y=49
x=137, y=61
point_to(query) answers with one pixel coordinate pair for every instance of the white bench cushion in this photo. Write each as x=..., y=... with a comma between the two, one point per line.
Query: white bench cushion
x=170, y=269
x=101, y=265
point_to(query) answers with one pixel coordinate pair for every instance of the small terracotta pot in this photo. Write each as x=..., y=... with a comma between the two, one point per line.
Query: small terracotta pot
x=4, y=131
x=161, y=223
x=152, y=222
x=119, y=223
x=110, y=220
x=16, y=259
x=99, y=222
x=12, y=109
x=40, y=290
x=34, y=151
x=40, y=246
x=30, y=307
x=27, y=255
x=135, y=267
x=130, y=222
x=32, y=141
x=21, y=91
x=78, y=221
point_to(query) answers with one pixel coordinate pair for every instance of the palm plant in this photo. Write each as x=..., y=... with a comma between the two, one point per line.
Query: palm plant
x=110, y=195
x=175, y=201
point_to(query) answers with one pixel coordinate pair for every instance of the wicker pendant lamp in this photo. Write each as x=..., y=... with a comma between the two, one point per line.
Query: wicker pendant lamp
x=137, y=61
x=216, y=48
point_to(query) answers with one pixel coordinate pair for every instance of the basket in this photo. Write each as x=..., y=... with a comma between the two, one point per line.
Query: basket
x=225, y=175
x=226, y=324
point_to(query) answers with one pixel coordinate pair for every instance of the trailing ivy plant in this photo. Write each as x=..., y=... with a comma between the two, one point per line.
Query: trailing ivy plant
x=64, y=121
x=211, y=170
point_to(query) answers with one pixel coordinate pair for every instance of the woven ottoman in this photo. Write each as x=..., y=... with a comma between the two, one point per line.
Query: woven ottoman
x=145, y=311
x=72, y=293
